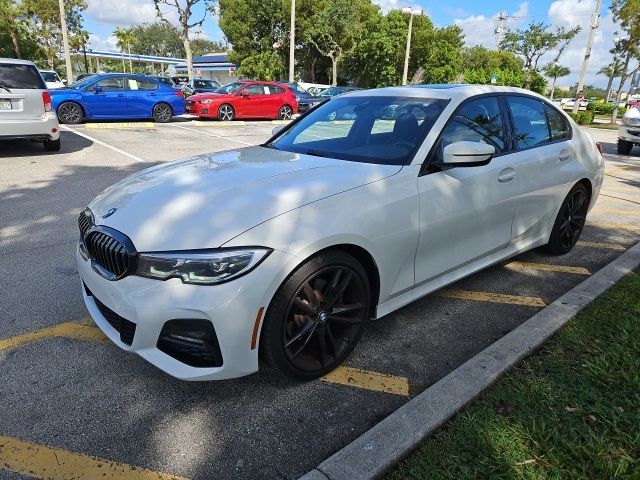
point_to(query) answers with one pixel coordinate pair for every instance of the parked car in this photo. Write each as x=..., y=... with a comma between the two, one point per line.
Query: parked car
x=305, y=104
x=117, y=95
x=51, y=79
x=629, y=131
x=245, y=100
x=199, y=85
x=25, y=105
x=162, y=79
x=287, y=249
x=297, y=90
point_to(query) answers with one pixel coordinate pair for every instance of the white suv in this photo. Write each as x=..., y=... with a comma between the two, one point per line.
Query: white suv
x=25, y=105
x=629, y=131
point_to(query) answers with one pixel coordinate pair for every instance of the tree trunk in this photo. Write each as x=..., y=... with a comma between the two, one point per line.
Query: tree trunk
x=609, y=85
x=187, y=49
x=312, y=71
x=15, y=45
x=334, y=71
x=553, y=88
x=129, y=51
x=623, y=78
x=527, y=78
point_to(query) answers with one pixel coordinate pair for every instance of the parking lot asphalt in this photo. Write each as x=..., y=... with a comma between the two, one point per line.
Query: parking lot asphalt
x=75, y=406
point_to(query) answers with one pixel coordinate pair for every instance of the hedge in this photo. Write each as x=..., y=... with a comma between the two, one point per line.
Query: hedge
x=601, y=108
x=583, y=117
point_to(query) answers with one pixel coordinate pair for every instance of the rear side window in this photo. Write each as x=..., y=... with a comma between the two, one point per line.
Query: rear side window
x=530, y=122
x=20, y=77
x=273, y=90
x=558, y=125
x=111, y=83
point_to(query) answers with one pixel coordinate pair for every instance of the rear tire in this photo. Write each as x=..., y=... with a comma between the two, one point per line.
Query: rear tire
x=317, y=316
x=624, y=147
x=51, y=145
x=162, y=113
x=70, y=113
x=285, y=112
x=569, y=222
x=226, y=113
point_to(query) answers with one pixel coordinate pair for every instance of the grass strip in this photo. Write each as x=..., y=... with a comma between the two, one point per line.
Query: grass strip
x=570, y=411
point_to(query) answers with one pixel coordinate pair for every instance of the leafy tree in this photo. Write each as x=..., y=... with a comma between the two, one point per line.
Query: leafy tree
x=124, y=38
x=158, y=38
x=534, y=42
x=554, y=71
x=184, y=10
x=480, y=64
x=202, y=46
x=611, y=71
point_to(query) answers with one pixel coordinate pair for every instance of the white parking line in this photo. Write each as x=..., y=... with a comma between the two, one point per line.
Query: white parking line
x=210, y=134
x=100, y=142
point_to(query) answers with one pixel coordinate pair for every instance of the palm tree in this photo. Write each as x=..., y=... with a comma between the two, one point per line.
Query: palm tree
x=124, y=37
x=612, y=71
x=554, y=71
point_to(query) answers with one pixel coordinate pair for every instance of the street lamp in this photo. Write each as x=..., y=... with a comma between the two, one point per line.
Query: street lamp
x=411, y=12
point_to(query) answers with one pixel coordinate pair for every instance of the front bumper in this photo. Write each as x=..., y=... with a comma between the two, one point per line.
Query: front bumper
x=629, y=134
x=231, y=307
x=43, y=128
x=201, y=110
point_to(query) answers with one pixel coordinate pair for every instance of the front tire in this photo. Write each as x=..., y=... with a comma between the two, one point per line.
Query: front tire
x=570, y=221
x=162, y=113
x=226, y=113
x=51, y=145
x=317, y=316
x=70, y=113
x=624, y=147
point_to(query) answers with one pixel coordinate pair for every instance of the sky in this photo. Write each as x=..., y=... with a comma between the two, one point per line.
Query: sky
x=476, y=18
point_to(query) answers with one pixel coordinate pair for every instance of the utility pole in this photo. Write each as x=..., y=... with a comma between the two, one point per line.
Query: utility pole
x=499, y=31
x=292, y=41
x=65, y=43
x=595, y=22
x=411, y=13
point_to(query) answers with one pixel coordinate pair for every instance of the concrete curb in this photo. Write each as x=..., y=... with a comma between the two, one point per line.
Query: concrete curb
x=384, y=445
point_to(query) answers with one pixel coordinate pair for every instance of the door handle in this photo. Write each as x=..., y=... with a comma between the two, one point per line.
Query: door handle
x=153, y=94
x=507, y=175
x=564, y=155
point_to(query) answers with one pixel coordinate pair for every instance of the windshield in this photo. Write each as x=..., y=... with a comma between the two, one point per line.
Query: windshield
x=50, y=76
x=84, y=82
x=232, y=87
x=381, y=130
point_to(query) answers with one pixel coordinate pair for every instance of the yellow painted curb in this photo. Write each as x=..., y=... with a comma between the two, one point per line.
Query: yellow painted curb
x=216, y=123
x=492, y=297
x=547, y=267
x=83, y=330
x=379, y=382
x=121, y=125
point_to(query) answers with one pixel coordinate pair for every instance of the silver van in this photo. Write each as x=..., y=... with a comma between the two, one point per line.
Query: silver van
x=25, y=105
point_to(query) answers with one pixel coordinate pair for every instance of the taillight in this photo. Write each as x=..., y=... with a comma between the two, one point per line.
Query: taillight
x=46, y=100
x=599, y=147
x=178, y=93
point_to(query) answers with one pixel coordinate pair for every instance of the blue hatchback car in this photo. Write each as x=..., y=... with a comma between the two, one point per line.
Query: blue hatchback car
x=117, y=95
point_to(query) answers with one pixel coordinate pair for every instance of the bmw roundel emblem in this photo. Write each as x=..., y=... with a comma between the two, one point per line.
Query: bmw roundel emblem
x=110, y=212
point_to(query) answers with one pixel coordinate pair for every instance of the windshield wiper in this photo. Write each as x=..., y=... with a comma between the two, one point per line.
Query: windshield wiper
x=269, y=145
x=2, y=85
x=316, y=153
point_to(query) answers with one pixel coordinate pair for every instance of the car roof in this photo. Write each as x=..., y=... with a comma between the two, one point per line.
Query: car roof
x=454, y=91
x=18, y=61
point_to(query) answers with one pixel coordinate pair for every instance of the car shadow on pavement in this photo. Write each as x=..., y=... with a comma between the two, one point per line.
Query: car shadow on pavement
x=70, y=143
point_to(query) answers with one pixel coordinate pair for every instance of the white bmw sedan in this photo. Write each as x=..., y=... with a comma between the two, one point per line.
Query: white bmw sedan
x=370, y=201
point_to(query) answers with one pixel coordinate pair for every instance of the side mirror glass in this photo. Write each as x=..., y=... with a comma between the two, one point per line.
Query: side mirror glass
x=97, y=89
x=467, y=154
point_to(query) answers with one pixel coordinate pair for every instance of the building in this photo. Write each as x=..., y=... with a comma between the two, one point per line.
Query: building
x=212, y=66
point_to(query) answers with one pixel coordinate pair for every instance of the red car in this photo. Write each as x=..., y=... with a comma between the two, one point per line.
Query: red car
x=245, y=100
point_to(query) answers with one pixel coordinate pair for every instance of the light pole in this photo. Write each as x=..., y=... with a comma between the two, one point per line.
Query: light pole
x=411, y=12
x=292, y=40
x=65, y=43
x=595, y=22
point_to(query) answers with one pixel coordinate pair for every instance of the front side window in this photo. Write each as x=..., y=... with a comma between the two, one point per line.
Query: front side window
x=476, y=121
x=231, y=88
x=558, y=125
x=142, y=84
x=530, y=122
x=111, y=83
x=380, y=130
x=254, y=89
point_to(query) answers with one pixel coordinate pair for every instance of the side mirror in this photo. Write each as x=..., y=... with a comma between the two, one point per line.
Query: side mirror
x=277, y=130
x=243, y=94
x=467, y=154
x=97, y=89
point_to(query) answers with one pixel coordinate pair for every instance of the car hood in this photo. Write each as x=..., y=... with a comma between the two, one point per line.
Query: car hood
x=205, y=201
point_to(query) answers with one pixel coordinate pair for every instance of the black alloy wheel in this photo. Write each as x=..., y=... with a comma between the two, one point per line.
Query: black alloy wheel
x=317, y=316
x=162, y=113
x=570, y=221
x=70, y=113
x=285, y=112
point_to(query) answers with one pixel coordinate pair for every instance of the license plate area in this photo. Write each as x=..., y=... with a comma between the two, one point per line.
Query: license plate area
x=5, y=104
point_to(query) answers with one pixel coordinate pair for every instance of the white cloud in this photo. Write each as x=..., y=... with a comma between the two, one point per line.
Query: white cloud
x=479, y=29
x=102, y=44
x=125, y=13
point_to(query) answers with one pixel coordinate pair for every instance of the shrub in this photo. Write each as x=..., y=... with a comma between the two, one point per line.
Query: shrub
x=583, y=117
x=600, y=108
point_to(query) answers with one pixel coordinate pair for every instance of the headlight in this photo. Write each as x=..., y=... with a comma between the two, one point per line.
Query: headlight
x=207, y=101
x=201, y=267
x=631, y=121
